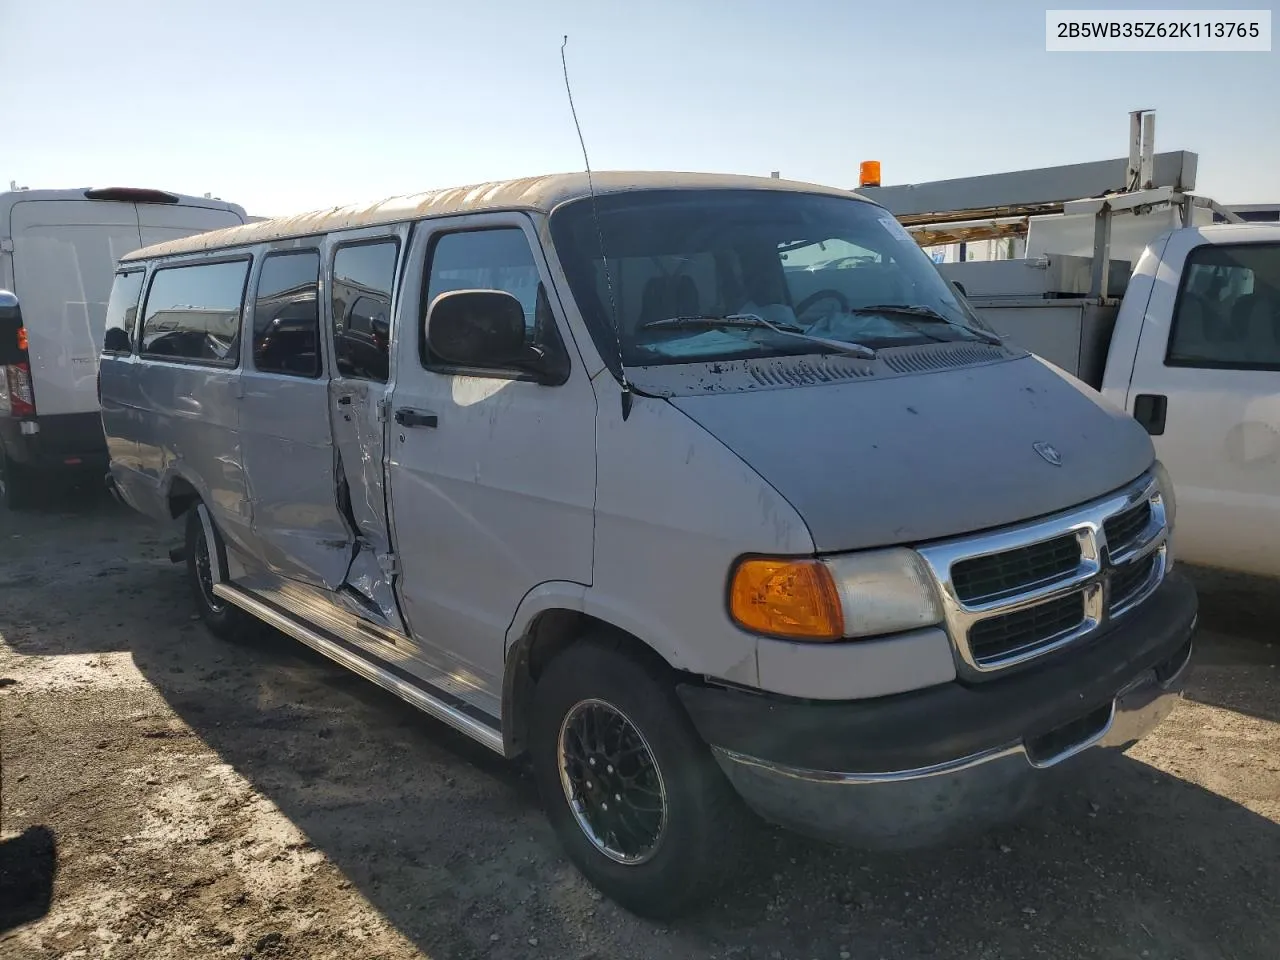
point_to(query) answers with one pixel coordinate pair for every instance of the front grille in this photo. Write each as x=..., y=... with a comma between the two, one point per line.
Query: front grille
x=1128, y=580
x=1000, y=574
x=998, y=637
x=1124, y=529
x=1020, y=592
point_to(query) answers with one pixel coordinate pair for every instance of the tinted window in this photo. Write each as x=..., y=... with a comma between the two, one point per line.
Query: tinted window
x=193, y=313
x=122, y=313
x=1228, y=309
x=491, y=260
x=363, y=275
x=486, y=260
x=286, y=321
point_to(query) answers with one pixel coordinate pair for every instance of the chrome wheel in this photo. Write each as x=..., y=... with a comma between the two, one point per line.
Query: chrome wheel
x=204, y=573
x=611, y=782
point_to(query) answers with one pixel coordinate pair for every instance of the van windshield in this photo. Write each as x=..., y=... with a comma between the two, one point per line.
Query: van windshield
x=702, y=275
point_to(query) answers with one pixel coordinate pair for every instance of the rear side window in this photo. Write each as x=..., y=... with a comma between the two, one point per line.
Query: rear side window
x=363, y=274
x=1228, y=309
x=286, y=321
x=122, y=313
x=193, y=313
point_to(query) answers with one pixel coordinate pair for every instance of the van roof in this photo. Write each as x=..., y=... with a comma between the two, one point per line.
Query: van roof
x=110, y=195
x=541, y=194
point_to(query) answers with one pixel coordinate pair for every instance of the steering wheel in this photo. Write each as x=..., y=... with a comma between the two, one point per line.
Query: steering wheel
x=828, y=294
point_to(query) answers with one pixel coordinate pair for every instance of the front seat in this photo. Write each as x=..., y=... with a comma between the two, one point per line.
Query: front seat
x=665, y=297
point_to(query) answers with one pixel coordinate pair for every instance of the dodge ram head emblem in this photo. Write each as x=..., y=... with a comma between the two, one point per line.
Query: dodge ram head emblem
x=1049, y=452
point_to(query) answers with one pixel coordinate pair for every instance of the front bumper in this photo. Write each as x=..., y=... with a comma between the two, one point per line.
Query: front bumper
x=921, y=768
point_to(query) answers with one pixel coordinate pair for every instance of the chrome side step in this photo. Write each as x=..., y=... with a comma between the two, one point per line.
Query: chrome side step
x=306, y=604
x=411, y=691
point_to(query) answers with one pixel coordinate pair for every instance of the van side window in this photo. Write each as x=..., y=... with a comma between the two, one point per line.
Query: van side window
x=193, y=313
x=286, y=315
x=1228, y=310
x=494, y=259
x=122, y=313
x=363, y=276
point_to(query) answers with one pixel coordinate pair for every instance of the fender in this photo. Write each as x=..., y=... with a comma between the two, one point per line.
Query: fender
x=644, y=625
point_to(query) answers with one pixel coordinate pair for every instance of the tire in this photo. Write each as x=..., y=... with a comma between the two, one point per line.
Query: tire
x=17, y=485
x=657, y=866
x=224, y=619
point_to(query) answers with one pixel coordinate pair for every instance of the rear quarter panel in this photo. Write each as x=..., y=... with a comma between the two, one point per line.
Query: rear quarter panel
x=188, y=428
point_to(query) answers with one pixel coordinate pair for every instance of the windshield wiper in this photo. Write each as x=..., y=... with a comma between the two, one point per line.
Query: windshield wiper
x=754, y=321
x=927, y=313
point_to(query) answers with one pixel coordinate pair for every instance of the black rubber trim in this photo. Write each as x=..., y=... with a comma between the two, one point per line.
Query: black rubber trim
x=954, y=720
x=444, y=696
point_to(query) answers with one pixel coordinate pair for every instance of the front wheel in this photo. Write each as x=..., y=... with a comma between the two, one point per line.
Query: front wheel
x=632, y=791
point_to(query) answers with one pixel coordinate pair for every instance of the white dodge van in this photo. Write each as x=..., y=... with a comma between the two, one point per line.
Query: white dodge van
x=698, y=489
x=58, y=251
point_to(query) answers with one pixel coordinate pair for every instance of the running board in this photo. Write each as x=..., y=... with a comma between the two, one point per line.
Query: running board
x=411, y=691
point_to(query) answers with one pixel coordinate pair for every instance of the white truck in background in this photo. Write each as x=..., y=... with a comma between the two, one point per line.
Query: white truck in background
x=58, y=253
x=1172, y=317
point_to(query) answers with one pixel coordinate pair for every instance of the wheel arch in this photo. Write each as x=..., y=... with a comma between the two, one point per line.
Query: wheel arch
x=542, y=636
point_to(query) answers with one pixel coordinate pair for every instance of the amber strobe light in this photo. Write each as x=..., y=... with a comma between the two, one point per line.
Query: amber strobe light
x=869, y=173
x=796, y=599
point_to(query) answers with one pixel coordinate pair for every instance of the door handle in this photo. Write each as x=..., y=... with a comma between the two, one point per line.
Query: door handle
x=1149, y=409
x=345, y=400
x=407, y=417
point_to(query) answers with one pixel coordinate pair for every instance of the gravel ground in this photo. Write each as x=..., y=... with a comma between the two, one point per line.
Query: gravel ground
x=204, y=799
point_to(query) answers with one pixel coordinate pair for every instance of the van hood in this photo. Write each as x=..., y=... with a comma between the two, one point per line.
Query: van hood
x=907, y=459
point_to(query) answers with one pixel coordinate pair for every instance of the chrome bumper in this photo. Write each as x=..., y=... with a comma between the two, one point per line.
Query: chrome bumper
x=922, y=806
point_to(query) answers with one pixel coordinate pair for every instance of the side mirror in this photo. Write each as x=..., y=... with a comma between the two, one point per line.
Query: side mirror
x=479, y=328
x=117, y=341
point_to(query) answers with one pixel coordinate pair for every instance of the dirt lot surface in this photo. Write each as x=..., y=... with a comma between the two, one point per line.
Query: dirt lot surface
x=204, y=799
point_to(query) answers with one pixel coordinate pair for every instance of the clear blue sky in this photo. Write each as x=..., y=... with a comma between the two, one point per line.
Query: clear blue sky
x=288, y=105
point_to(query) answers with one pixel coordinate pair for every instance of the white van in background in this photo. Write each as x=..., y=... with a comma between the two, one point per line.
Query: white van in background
x=58, y=251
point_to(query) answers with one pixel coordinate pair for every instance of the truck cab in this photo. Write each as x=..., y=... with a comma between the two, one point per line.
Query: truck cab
x=1195, y=356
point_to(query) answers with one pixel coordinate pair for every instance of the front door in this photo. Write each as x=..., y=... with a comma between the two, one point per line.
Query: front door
x=1209, y=387
x=492, y=476
x=299, y=531
x=361, y=295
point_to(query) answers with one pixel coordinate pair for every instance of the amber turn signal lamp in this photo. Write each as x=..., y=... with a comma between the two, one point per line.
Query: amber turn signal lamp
x=794, y=599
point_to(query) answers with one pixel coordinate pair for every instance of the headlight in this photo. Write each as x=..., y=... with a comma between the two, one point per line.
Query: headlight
x=850, y=596
x=1165, y=483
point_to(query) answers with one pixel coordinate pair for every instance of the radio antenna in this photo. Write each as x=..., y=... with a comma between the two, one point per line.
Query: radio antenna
x=595, y=216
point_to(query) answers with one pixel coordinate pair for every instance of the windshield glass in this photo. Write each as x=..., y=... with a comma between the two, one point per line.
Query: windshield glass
x=806, y=263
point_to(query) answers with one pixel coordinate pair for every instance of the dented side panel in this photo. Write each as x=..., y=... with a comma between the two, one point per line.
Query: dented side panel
x=357, y=403
x=288, y=456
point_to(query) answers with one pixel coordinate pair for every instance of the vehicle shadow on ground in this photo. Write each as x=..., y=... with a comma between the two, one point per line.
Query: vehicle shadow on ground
x=448, y=843
x=28, y=865
x=1238, y=662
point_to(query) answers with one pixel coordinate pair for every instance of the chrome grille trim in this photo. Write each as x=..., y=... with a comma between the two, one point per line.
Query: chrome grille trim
x=1092, y=575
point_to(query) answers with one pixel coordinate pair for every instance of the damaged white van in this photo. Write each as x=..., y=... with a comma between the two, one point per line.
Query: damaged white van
x=695, y=488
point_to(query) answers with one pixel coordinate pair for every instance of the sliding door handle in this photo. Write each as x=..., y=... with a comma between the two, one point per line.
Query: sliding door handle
x=408, y=417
